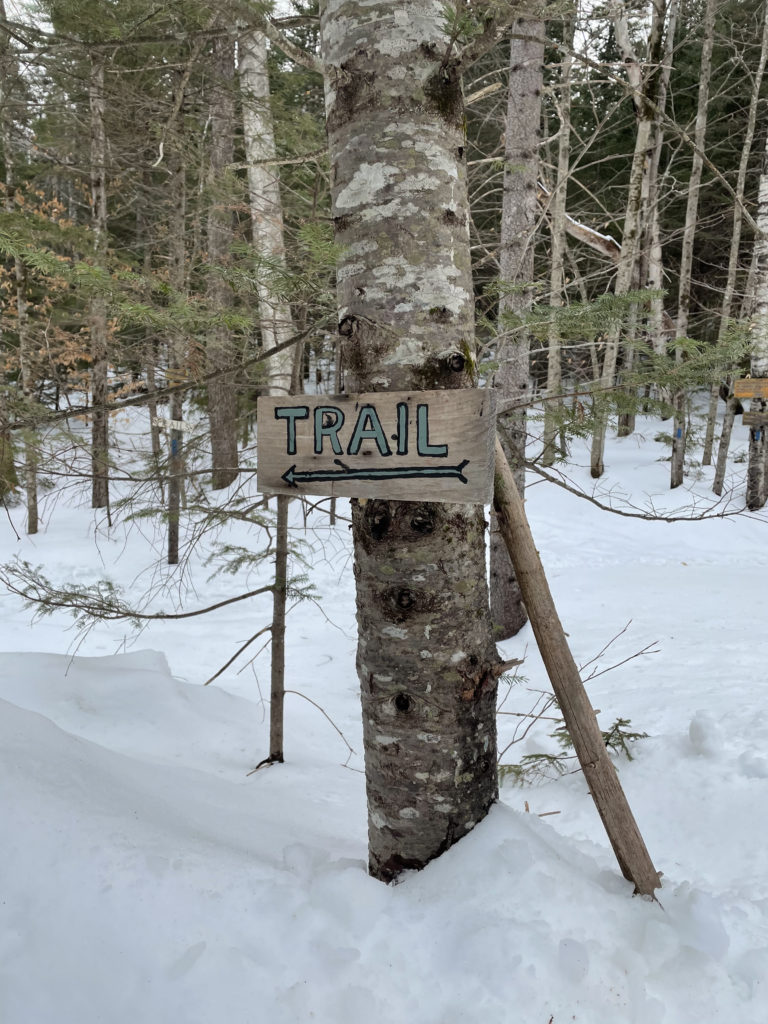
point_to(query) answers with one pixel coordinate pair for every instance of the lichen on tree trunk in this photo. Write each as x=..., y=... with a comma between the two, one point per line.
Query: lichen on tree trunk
x=426, y=660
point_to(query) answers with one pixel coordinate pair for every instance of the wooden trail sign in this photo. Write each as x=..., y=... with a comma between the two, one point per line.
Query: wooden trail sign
x=752, y=387
x=408, y=446
x=755, y=419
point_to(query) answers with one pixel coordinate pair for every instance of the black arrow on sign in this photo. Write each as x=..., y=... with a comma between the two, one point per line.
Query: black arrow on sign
x=294, y=478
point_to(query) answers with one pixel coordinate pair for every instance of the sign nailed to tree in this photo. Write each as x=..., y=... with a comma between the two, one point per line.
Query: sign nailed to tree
x=409, y=446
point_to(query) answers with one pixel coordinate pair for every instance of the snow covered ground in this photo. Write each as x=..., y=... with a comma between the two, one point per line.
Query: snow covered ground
x=148, y=878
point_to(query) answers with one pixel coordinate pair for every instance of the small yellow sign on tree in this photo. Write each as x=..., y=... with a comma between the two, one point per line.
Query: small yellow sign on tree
x=409, y=446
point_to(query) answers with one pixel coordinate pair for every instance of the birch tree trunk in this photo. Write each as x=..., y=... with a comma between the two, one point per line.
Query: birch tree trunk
x=756, y=476
x=557, y=220
x=689, y=232
x=266, y=207
x=275, y=320
x=222, y=393
x=98, y=304
x=518, y=223
x=645, y=93
x=426, y=660
x=746, y=311
x=738, y=218
x=655, y=273
x=650, y=268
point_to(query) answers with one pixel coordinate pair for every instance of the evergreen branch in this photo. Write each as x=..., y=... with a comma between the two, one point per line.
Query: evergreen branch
x=160, y=393
x=99, y=601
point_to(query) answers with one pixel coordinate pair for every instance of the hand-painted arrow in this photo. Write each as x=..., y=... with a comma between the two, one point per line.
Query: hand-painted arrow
x=294, y=478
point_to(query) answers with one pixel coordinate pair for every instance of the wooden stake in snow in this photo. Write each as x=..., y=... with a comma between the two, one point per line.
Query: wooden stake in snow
x=599, y=771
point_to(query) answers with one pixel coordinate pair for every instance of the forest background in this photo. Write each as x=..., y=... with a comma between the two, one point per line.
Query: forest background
x=167, y=223
x=624, y=272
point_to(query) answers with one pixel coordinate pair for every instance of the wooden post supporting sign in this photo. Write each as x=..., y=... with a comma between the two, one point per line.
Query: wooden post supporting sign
x=580, y=720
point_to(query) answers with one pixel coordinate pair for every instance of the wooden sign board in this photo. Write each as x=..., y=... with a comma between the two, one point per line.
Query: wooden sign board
x=755, y=387
x=408, y=446
x=755, y=419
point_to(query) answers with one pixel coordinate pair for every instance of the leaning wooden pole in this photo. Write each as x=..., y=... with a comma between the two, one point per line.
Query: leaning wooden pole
x=580, y=720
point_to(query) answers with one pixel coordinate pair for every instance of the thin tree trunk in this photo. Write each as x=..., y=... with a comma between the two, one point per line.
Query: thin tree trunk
x=150, y=342
x=426, y=660
x=689, y=232
x=10, y=111
x=738, y=218
x=516, y=271
x=222, y=391
x=756, y=482
x=599, y=771
x=655, y=277
x=27, y=388
x=557, y=220
x=275, y=318
x=177, y=349
x=725, y=443
x=98, y=303
x=626, y=425
x=277, y=689
x=648, y=89
x=8, y=479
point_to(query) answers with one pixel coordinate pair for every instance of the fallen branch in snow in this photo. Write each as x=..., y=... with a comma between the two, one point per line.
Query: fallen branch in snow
x=651, y=514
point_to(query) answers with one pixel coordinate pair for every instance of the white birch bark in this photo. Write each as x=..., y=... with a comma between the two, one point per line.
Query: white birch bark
x=738, y=219
x=426, y=661
x=519, y=216
x=557, y=221
x=275, y=320
x=266, y=206
x=756, y=476
x=689, y=233
x=657, y=318
x=643, y=90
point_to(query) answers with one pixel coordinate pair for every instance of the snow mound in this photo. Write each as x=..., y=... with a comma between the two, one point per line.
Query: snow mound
x=150, y=878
